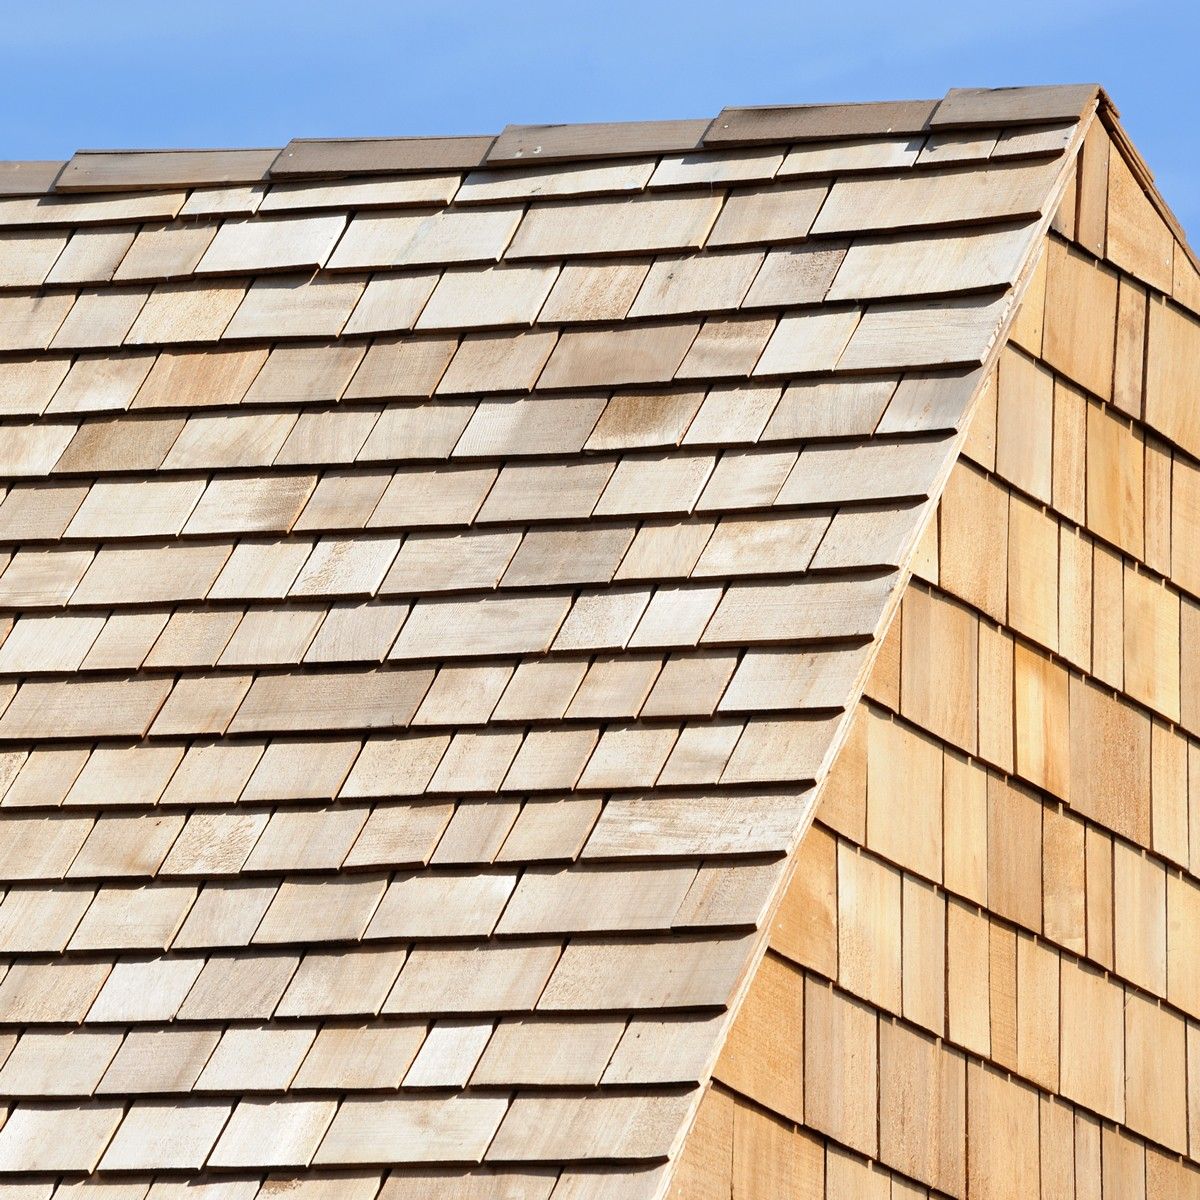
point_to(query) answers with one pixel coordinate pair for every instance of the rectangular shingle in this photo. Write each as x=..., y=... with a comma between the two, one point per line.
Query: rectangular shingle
x=529, y=425
x=295, y=306
x=448, y=904
x=540, y=181
x=320, y=910
x=256, y=1058
x=954, y=332
x=135, y=508
x=166, y=251
x=273, y=1133
x=413, y=498
x=157, y=1135
x=197, y=379
x=402, y=367
x=583, y=899
x=867, y=471
x=441, y=562
x=614, y=226
x=559, y=142
x=137, y=991
x=592, y=974
x=229, y=440
x=571, y=555
x=30, y=383
x=186, y=312
x=948, y=195
x=168, y=1060
x=813, y=340
x=331, y=700
x=412, y=1129
x=497, y=362
x=238, y=988
x=611, y=357
x=496, y=977
x=391, y=302
x=342, y=982
x=118, y=575
x=678, y=285
x=492, y=625
x=600, y=290
x=364, y=192
x=932, y=264
x=496, y=296
x=26, y=257
x=548, y=1053
x=409, y=239
x=304, y=374
x=57, y=991
x=251, y=504
x=527, y=491
x=133, y=918
x=361, y=1056
x=238, y=199
x=843, y=157
x=317, y=157
x=768, y=213
x=695, y=825
x=805, y=609
x=82, y=708
x=56, y=1138
x=449, y=1054
x=89, y=210
x=591, y=1126
x=803, y=122
x=796, y=275
x=703, y=167
x=30, y=322
x=1013, y=106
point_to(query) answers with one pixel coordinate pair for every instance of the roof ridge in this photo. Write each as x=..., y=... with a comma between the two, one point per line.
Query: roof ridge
x=93, y=170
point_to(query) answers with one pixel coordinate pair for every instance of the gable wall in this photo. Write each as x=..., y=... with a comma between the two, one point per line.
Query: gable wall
x=985, y=980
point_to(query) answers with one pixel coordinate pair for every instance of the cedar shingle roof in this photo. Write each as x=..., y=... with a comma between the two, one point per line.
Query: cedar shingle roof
x=437, y=572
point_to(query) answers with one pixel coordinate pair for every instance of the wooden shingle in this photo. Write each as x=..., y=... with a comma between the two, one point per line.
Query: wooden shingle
x=952, y=194
x=404, y=239
x=251, y=247
x=434, y=1129
x=614, y=226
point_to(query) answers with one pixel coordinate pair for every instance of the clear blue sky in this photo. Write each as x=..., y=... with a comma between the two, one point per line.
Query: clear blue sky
x=134, y=73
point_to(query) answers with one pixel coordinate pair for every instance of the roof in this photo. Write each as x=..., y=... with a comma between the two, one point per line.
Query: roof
x=435, y=584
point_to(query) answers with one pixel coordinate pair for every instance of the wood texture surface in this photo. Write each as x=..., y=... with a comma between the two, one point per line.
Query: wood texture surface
x=416, y=676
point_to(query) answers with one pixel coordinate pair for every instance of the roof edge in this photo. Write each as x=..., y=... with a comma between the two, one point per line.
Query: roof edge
x=904, y=577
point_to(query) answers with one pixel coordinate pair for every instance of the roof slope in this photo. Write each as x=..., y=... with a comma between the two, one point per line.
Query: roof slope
x=431, y=598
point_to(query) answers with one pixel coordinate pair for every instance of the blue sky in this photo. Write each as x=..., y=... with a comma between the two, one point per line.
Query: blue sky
x=133, y=73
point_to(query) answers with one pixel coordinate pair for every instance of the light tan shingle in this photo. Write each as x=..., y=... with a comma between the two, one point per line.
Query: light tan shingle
x=457, y=1128
x=614, y=226
x=403, y=239
x=271, y=244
